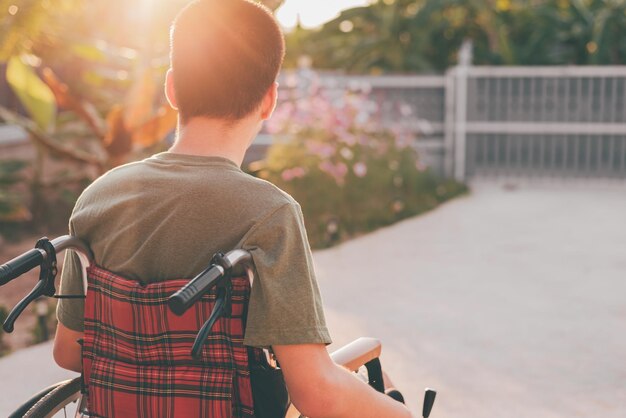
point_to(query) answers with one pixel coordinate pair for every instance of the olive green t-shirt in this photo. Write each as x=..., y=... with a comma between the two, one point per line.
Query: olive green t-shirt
x=163, y=218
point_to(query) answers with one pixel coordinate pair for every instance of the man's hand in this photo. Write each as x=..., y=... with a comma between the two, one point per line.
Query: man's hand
x=67, y=351
x=321, y=389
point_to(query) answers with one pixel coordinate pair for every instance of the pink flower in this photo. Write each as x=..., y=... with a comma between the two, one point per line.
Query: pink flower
x=293, y=173
x=287, y=175
x=406, y=110
x=346, y=153
x=421, y=167
x=299, y=172
x=321, y=149
x=348, y=138
x=337, y=171
x=281, y=118
x=342, y=169
x=360, y=169
x=404, y=140
x=398, y=206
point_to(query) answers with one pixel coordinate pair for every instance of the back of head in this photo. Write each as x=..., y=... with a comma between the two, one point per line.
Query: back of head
x=226, y=54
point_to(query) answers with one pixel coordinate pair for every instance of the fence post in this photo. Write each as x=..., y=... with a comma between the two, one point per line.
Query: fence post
x=449, y=123
x=460, y=115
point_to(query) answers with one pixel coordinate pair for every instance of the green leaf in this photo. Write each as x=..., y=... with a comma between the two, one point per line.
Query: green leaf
x=89, y=52
x=33, y=93
x=10, y=172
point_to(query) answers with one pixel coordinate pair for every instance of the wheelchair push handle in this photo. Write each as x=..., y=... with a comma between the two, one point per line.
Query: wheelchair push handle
x=182, y=300
x=20, y=265
x=44, y=256
x=221, y=267
x=36, y=257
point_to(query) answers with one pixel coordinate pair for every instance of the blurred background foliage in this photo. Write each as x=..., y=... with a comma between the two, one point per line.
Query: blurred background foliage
x=88, y=93
x=394, y=36
x=12, y=207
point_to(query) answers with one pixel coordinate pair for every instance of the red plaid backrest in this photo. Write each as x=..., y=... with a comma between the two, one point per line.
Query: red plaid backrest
x=137, y=354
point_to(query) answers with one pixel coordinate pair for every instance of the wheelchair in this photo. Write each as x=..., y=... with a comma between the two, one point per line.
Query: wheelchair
x=217, y=283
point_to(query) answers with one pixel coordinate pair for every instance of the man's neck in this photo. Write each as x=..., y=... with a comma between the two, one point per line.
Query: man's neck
x=216, y=138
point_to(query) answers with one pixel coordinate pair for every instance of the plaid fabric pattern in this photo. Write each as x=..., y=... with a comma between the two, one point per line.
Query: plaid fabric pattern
x=137, y=354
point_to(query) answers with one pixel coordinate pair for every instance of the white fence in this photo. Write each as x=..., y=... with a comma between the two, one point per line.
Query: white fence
x=473, y=122
x=538, y=121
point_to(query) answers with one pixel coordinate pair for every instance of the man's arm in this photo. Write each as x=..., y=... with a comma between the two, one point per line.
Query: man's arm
x=321, y=389
x=67, y=351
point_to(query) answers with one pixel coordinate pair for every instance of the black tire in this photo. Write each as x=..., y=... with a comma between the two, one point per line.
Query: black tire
x=19, y=412
x=61, y=395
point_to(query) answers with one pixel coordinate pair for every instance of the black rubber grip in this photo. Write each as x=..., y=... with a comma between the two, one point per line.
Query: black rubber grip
x=20, y=265
x=182, y=300
x=429, y=401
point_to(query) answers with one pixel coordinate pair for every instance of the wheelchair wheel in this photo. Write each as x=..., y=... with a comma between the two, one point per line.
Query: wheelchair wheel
x=23, y=409
x=61, y=400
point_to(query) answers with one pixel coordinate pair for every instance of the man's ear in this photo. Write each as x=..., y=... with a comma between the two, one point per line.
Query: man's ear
x=170, y=92
x=269, y=102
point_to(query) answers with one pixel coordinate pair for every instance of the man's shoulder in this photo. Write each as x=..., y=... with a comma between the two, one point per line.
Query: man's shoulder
x=111, y=180
x=119, y=173
x=228, y=185
x=268, y=193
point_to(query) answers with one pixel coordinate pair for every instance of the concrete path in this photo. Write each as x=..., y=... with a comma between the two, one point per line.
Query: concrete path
x=26, y=372
x=510, y=303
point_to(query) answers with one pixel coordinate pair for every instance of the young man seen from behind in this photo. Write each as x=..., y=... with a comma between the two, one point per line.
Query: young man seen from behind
x=164, y=217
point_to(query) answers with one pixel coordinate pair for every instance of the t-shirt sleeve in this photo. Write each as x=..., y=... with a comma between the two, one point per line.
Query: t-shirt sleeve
x=71, y=312
x=285, y=303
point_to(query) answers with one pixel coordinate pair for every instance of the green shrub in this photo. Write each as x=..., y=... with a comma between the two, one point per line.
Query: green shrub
x=12, y=207
x=349, y=174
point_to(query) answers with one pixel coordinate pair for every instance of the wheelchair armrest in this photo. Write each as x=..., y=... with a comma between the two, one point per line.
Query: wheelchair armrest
x=357, y=353
x=352, y=356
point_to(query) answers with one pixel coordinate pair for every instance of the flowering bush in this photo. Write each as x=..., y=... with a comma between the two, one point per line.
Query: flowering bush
x=350, y=174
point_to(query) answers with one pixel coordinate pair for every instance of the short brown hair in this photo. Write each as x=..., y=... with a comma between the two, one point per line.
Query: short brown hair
x=225, y=56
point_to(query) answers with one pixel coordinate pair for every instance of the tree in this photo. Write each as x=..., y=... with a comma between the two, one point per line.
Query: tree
x=95, y=73
x=425, y=35
x=400, y=35
x=24, y=23
x=592, y=31
x=88, y=81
